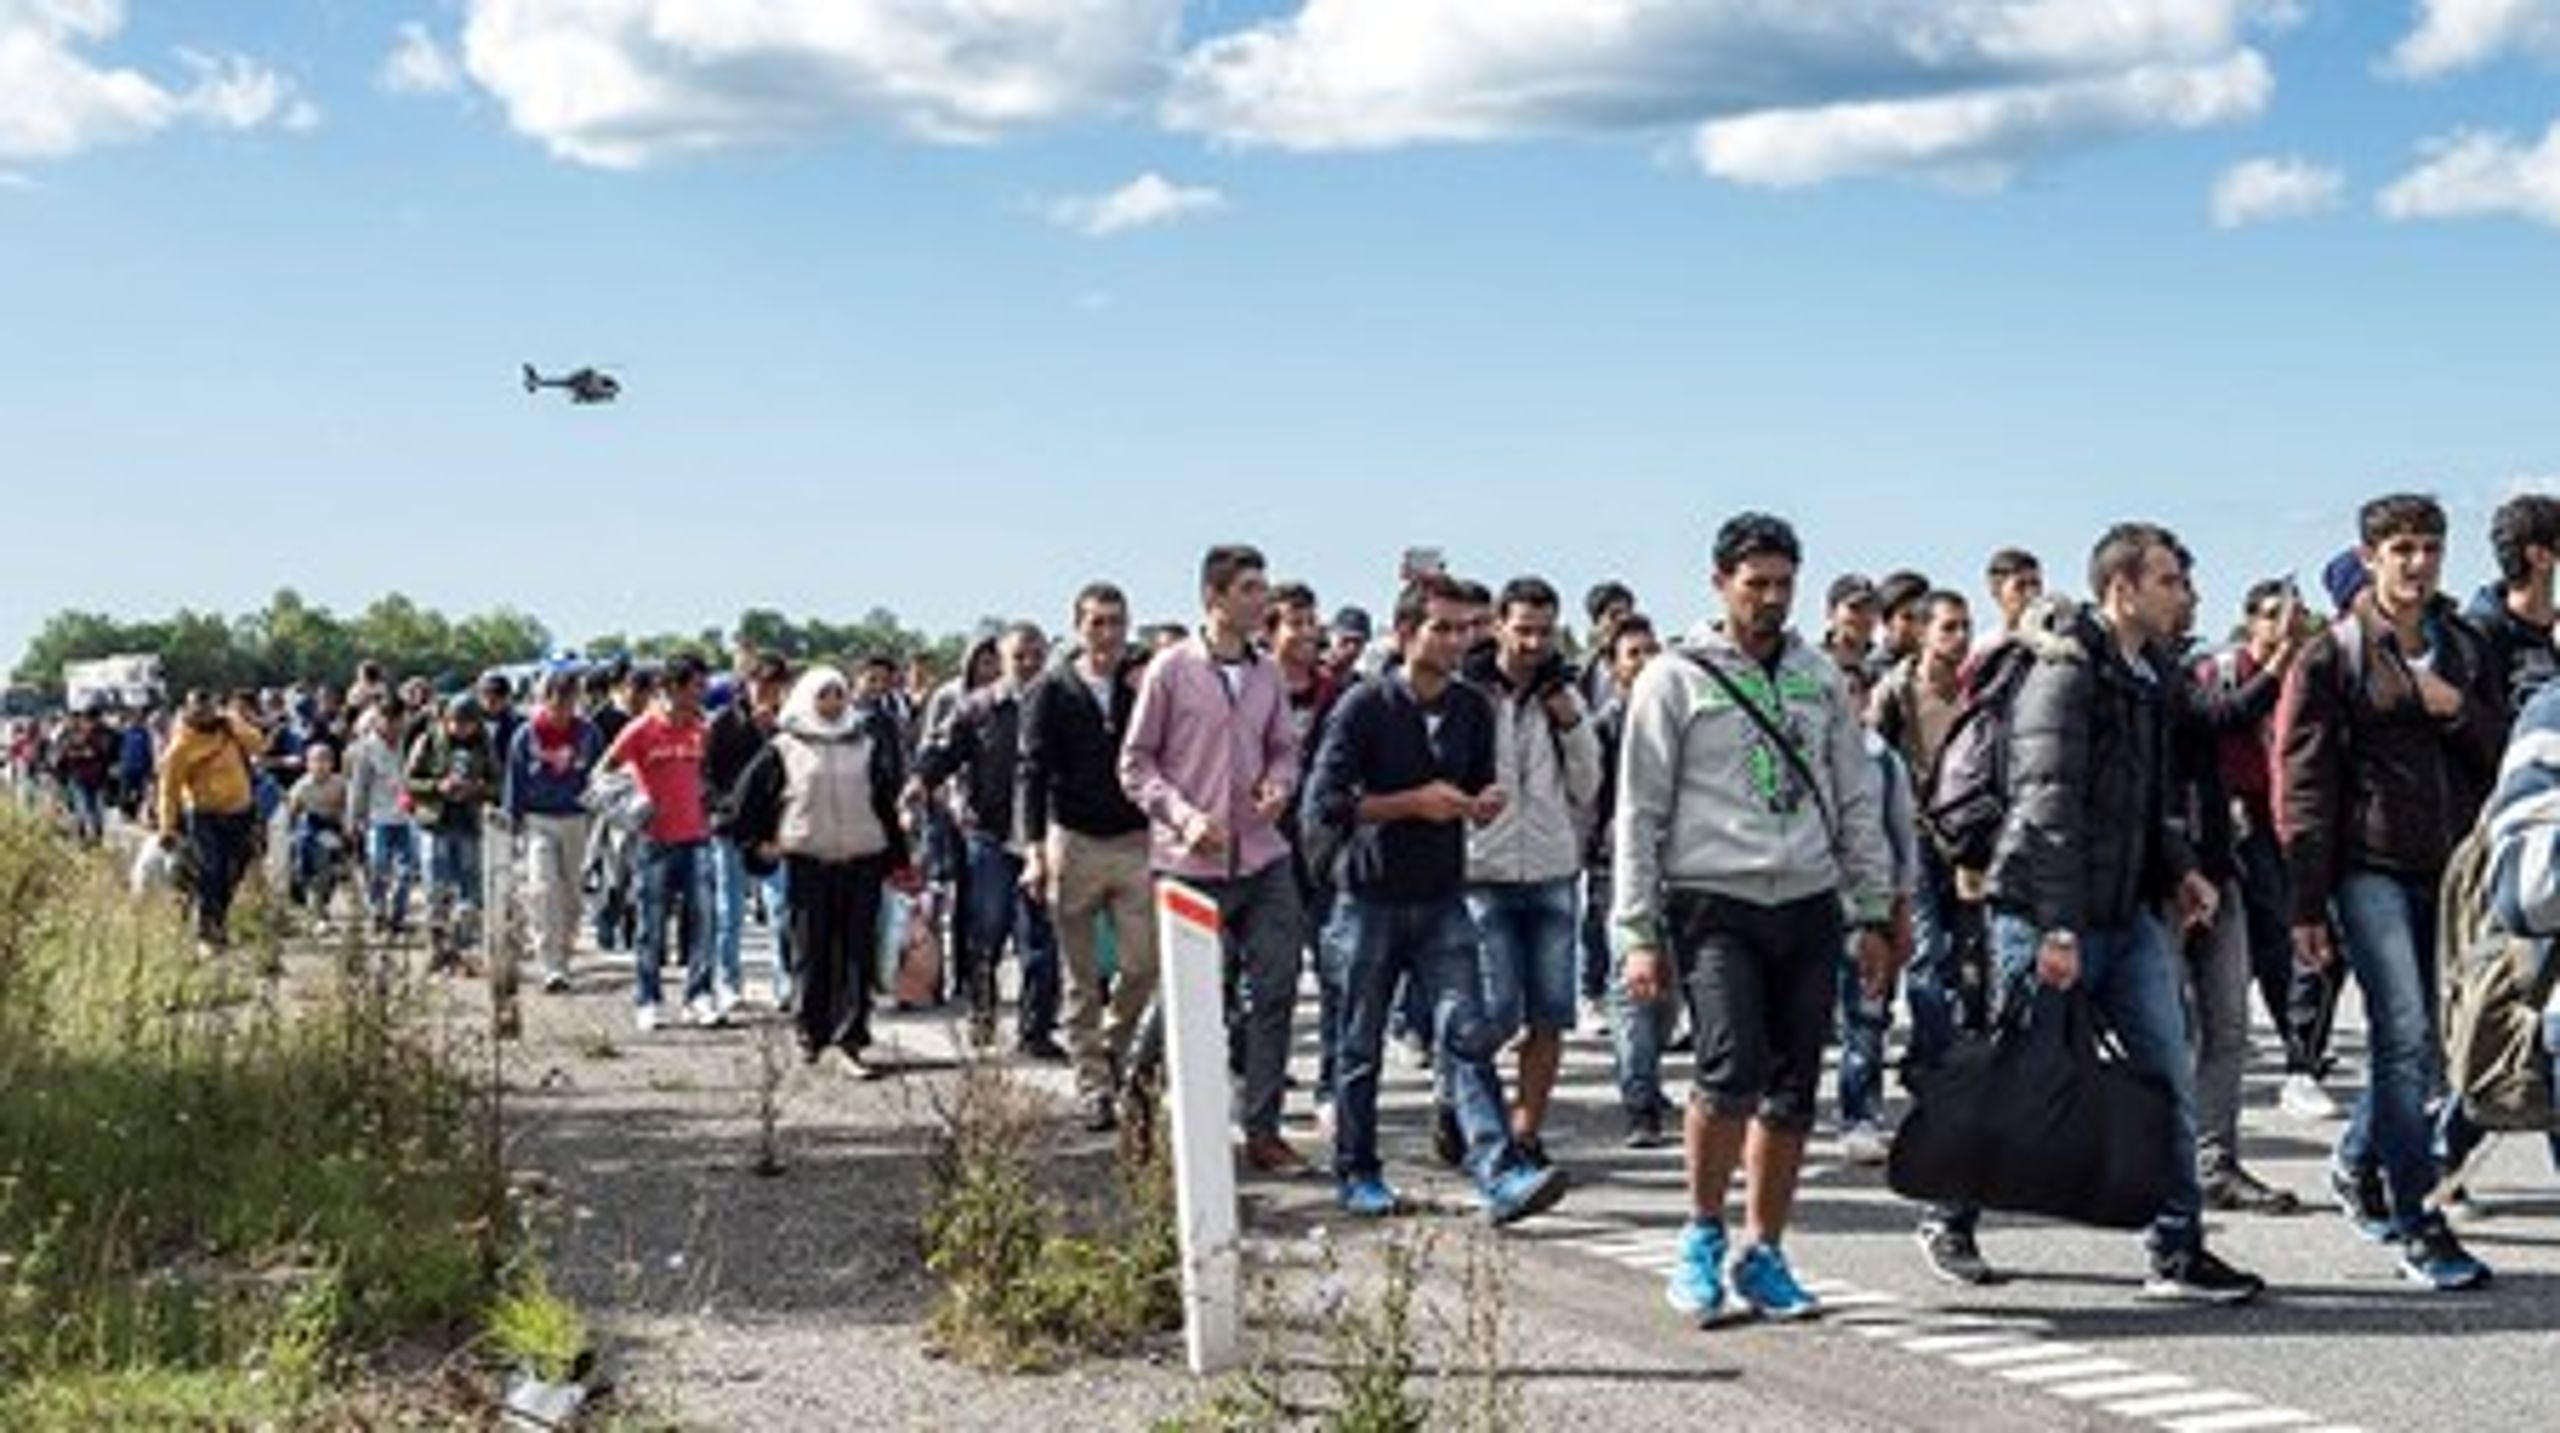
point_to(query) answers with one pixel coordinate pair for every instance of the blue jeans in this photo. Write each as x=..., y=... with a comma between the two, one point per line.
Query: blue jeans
x=1941, y=924
x=996, y=911
x=2131, y=976
x=88, y=806
x=678, y=875
x=1638, y=1031
x=1433, y=943
x=731, y=882
x=390, y=869
x=2390, y=928
x=1529, y=954
x=315, y=842
x=1596, y=959
x=1863, y=1026
x=453, y=870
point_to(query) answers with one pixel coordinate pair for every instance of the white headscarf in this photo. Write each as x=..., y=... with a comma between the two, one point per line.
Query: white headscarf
x=800, y=710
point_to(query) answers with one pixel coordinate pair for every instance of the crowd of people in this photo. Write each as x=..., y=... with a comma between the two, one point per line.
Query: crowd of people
x=1733, y=844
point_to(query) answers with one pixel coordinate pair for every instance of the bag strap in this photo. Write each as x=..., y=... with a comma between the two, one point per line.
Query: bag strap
x=1769, y=728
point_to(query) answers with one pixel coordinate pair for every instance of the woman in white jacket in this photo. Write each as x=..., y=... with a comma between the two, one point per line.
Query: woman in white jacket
x=821, y=799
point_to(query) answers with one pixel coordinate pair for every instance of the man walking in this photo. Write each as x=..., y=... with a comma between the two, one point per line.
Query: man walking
x=1522, y=864
x=1212, y=761
x=1746, y=827
x=1085, y=844
x=2090, y=852
x=1406, y=763
x=2391, y=728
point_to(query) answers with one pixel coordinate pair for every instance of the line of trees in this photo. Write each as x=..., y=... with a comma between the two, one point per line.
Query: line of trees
x=292, y=640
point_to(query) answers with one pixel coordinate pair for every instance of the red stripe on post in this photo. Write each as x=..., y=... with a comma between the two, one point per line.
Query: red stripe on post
x=1189, y=907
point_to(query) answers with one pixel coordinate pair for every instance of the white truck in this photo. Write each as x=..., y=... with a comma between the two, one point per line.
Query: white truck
x=132, y=682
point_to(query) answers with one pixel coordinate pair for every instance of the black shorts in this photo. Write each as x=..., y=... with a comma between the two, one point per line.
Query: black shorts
x=1763, y=983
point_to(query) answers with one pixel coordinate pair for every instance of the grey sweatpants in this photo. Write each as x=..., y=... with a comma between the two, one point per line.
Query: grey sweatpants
x=2218, y=1027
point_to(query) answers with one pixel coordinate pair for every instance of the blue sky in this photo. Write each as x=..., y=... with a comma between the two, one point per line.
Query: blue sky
x=1552, y=285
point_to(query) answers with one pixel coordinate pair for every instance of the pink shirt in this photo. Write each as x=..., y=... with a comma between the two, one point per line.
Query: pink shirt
x=666, y=756
x=1198, y=749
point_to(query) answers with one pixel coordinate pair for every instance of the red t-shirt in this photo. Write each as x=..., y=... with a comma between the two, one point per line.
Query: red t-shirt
x=666, y=756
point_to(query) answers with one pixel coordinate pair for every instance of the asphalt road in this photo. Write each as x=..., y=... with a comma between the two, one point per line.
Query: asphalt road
x=2339, y=1343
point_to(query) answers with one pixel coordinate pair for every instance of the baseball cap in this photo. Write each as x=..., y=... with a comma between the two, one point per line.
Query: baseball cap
x=1351, y=622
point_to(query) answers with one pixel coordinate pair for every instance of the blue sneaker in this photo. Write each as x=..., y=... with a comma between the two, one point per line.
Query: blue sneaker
x=1762, y=1280
x=1369, y=1197
x=2432, y=1258
x=1697, y=1283
x=1521, y=1191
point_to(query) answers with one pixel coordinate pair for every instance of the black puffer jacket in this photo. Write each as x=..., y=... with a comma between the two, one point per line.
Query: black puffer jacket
x=2365, y=778
x=2088, y=842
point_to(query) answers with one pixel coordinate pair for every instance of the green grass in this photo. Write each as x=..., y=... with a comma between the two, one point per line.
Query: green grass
x=215, y=1198
x=533, y=1328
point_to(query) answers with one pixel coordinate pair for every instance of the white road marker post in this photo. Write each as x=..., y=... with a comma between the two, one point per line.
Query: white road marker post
x=1192, y=959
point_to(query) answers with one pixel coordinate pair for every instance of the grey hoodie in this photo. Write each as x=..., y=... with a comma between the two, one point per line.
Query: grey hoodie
x=1706, y=805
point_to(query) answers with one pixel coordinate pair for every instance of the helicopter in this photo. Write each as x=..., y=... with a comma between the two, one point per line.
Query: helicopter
x=585, y=385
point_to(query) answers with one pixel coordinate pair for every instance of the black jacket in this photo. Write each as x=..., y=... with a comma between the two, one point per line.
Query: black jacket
x=1377, y=743
x=2365, y=779
x=2526, y=658
x=2088, y=843
x=731, y=743
x=983, y=738
x=1070, y=766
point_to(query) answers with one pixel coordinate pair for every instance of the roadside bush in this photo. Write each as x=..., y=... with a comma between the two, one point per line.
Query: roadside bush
x=215, y=1190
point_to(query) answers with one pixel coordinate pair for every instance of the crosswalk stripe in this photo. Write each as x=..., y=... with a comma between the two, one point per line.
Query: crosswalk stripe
x=1958, y=1342
x=2025, y=1353
x=2199, y=1401
x=2058, y=1372
x=2124, y=1387
x=2246, y=1418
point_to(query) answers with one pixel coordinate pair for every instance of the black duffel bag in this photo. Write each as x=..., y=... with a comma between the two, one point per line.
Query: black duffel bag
x=2038, y=1120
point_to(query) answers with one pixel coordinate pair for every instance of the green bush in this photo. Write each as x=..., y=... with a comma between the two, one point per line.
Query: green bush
x=213, y=1189
x=1019, y=1291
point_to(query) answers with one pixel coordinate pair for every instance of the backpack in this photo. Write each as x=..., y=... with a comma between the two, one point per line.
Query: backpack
x=1968, y=797
x=2494, y=986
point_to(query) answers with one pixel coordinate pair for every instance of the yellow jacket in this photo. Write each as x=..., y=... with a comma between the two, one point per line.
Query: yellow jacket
x=207, y=771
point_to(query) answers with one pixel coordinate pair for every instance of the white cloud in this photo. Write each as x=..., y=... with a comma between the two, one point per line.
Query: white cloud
x=2463, y=34
x=2480, y=174
x=2258, y=191
x=1980, y=138
x=55, y=102
x=623, y=83
x=418, y=65
x=1142, y=203
x=1793, y=92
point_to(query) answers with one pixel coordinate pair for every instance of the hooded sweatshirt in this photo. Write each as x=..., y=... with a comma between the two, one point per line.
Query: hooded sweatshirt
x=548, y=762
x=1706, y=805
x=208, y=770
x=1551, y=777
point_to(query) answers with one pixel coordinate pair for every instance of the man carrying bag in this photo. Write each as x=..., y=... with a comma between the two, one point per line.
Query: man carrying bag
x=2087, y=857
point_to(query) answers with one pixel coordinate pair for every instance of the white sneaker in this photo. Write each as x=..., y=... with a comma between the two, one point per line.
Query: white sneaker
x=1595, y=1017
x=1409, y=1054
x=725, y=999
x=646, y=1019
x=1865, y=1143
x=704, y=1013
x=2305, y=1100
